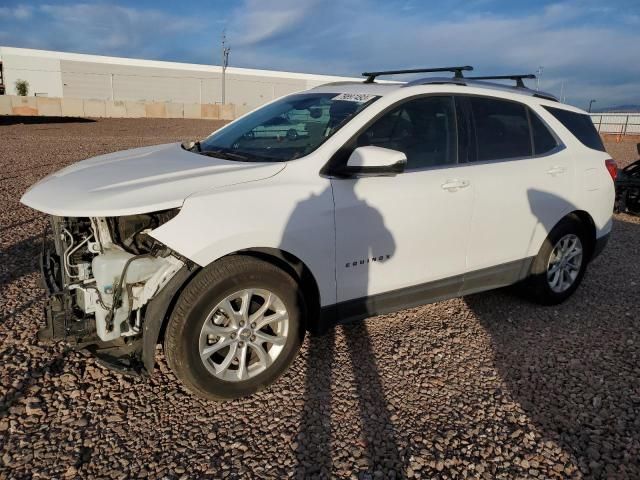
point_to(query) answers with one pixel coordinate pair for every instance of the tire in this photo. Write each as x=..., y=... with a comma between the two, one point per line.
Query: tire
x=540, y=286
x=187, y=336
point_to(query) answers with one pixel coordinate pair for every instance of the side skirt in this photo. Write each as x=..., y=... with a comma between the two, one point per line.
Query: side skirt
x=472, y=282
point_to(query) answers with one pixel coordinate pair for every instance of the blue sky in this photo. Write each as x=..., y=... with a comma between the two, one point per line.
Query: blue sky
x=591, y=46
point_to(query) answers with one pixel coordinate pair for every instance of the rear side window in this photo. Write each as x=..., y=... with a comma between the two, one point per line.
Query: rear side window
x=543, y=139
x=502, y=129
x=580, y=125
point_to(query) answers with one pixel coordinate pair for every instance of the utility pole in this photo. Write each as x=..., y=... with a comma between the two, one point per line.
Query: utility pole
x=225, y=62
x=591, y=102
x=561, y=91
x=538, y=75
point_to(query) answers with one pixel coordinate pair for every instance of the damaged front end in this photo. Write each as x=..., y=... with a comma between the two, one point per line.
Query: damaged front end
x=105, y=277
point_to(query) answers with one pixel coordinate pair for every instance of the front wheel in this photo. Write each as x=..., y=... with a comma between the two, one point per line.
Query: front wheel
x=560, y=264
x=235, y=328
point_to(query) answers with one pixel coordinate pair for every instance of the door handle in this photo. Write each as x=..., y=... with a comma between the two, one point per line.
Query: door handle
x=556, y=170
x=452, y=185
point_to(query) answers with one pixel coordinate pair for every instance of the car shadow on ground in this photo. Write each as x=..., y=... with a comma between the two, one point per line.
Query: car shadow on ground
x=13, y=395
x=17, y=120
x=381, y=452
x=574, y=370
x=378, y=452
x=18, y=260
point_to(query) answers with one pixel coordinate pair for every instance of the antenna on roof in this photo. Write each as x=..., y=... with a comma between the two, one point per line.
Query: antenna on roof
x=457, y=71
x=517, y=78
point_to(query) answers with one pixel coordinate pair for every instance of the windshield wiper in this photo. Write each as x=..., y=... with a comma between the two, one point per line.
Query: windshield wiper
x=225, y=155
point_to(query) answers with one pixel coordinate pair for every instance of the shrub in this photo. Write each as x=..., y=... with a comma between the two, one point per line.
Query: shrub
x=22, y=87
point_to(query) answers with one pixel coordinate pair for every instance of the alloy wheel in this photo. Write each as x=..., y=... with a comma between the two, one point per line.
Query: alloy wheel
x=564, y=263
x=244, y=334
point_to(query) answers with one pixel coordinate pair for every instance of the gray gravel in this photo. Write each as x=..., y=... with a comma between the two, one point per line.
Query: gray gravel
x=487, y=386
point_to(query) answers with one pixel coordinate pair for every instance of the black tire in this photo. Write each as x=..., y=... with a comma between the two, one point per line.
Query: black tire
x=202, y=294
x=537, y=287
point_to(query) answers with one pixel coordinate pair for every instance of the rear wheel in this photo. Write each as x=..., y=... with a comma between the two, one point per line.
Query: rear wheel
x=560, y=264
x=235, y=329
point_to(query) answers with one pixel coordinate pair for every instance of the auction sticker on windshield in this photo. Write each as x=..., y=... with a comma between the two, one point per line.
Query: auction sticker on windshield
x=354, y=97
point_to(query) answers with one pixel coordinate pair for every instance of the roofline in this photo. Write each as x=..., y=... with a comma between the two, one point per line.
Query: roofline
x=470, y=82
x=449, y=87
x=83, y=57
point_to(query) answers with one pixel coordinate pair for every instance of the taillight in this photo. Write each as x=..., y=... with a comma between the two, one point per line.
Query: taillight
x=612, y=167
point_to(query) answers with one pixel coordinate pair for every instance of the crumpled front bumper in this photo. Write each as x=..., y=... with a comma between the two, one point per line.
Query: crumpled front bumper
x=64, y=323
x=129, y=355
x=57, y=309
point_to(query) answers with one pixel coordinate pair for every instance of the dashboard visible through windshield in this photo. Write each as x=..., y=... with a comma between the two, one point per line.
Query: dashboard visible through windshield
x=289, y=128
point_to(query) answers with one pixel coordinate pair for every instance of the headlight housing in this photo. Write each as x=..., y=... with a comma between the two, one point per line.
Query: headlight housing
x=131, y=231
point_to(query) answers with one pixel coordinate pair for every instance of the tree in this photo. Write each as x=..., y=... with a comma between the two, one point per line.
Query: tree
x=22, y=87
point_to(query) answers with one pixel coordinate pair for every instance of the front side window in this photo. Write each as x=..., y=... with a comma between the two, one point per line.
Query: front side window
x=424, y=129
x=289, y=128
x=502, y=129
x=580, y=125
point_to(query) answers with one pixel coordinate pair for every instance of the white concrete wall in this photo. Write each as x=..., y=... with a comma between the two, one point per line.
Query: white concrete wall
x=43, y=74
x=78, y=107
x=92, y=77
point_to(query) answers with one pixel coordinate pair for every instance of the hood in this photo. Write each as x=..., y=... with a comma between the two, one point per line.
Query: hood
x=138, y=181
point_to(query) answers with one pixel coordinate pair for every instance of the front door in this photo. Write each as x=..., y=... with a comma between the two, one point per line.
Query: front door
x=408, y=230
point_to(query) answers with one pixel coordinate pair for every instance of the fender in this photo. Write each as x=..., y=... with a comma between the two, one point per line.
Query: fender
x=157, y=310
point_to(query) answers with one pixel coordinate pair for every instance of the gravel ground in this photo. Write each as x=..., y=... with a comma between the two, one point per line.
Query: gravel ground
x=624, y=151
x=487, y=386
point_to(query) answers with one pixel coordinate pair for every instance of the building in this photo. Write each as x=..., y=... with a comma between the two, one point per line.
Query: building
x=73, y=75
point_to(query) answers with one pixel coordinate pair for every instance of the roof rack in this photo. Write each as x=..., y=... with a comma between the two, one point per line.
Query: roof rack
x=457, y=71
x=517, y=78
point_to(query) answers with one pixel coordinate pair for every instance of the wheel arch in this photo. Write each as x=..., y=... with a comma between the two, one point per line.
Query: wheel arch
x=590, y=227
x=295, y=267
x=160, y=308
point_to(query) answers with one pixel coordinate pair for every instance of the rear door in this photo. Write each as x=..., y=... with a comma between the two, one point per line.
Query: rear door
x=522, y=179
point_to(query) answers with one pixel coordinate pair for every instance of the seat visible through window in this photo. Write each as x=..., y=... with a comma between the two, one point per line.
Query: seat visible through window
x=502, y=129
x=423, y=129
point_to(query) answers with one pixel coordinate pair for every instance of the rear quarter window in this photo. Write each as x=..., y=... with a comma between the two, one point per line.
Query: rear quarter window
x=543, y=140
x=580, y=125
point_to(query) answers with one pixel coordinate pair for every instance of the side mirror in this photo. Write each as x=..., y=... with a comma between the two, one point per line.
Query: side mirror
x=373, y=162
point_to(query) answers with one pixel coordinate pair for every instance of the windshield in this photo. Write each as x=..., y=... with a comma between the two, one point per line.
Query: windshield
x=289, y=128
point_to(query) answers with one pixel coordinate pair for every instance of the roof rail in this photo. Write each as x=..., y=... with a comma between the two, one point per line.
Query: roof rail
x=517, y=78
x=546, y=96
x=457, y=71
x=344, y=82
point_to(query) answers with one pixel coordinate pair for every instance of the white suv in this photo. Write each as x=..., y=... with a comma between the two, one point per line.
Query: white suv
x=388, y=196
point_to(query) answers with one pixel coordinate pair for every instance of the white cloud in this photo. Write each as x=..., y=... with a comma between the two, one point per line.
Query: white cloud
x=258, y=21
x=111, y=29
x=20, y=12
x=356, y=35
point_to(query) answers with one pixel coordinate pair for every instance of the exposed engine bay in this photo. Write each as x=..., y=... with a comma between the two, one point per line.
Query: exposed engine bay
x=101, y=274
